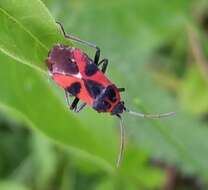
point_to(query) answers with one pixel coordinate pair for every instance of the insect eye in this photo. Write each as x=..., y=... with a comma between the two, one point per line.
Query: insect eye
x=106, y=104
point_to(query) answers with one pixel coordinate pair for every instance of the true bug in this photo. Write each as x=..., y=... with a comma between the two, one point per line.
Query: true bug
x=81, y=77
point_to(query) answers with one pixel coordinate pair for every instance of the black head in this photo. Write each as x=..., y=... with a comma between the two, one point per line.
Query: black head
x=109, y=101
x=118, y=108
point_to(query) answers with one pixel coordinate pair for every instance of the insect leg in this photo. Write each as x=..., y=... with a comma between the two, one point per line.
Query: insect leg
x=104, y=64
x=74, y=104
x=121, y=89
x=97, y=56
x=73, y=38
x=80, y=108
x=67, y=98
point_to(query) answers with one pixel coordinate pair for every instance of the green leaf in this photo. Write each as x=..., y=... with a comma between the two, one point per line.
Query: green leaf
x=194, y=91
x=27, y=33
x=8, y=185
x=129, y=39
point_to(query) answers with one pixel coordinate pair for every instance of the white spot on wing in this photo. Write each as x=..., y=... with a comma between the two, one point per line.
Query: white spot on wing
x=79, y=76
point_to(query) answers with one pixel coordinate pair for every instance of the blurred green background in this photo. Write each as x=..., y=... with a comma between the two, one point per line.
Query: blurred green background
x=157, y=50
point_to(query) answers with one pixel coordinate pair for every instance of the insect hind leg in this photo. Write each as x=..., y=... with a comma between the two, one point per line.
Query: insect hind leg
x=76, y=39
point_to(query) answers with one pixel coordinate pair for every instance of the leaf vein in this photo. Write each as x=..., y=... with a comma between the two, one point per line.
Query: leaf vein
x=23, y=27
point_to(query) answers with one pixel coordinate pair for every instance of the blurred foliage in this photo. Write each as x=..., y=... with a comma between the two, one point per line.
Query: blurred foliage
x=157, y=51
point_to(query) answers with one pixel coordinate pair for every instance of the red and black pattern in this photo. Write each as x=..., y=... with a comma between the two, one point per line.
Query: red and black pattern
x=80, y=76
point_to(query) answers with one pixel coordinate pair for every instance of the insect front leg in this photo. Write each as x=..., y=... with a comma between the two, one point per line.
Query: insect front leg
x=121, y=89
x=104, y=64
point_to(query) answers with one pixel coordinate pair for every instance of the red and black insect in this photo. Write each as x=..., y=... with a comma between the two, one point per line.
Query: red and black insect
x=85, y=79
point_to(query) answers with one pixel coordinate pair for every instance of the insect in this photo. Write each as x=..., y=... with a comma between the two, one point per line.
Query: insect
x=84, y=79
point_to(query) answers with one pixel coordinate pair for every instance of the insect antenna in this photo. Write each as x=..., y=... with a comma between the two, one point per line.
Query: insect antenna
x=150, y=116
x=122, y=141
